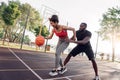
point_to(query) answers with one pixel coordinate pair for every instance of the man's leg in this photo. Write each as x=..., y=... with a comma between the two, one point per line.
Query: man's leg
x=73, y=53
x=67, y=59
x=95, y=69
x=94, y=64
x=90, y=55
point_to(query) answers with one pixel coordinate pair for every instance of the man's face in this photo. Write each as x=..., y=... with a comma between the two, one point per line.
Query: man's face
x=82, y=27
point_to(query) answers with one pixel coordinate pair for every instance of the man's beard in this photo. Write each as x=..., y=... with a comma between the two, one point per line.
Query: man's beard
x=82, y=29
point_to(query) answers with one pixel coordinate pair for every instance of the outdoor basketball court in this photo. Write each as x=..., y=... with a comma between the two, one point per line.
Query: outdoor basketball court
x=32, y=65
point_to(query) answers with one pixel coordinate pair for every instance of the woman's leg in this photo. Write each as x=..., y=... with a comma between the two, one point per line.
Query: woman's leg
x=60, y=48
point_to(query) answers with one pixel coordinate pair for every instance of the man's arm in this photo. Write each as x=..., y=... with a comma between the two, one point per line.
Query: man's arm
x=84, y=41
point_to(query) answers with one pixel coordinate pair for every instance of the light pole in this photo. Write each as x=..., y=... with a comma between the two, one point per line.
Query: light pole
x=25, y=28
x=96, y=50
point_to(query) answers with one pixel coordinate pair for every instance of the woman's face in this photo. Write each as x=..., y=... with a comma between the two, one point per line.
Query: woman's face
x=54, y=24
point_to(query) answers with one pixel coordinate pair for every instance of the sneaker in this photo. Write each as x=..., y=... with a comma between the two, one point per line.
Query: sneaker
x=53, y=73
x=97, y=78
x=63, y=70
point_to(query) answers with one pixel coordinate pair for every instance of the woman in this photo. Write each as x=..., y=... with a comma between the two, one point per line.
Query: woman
x=61, y=32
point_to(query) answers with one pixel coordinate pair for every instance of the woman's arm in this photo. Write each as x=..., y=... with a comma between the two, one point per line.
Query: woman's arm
x=50, y=36
x=71, y=29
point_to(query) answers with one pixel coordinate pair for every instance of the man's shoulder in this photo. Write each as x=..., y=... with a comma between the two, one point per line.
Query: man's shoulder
x=77, y=30
x=88, y=31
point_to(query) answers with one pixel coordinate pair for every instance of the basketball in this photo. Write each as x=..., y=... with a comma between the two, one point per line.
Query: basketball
x=39, y=41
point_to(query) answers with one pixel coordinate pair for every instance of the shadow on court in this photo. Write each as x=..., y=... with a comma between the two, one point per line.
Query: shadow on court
x=18, y=64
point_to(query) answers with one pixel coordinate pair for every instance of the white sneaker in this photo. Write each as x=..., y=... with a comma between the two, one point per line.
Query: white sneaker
x=97, y=78
x=53, y=73
x=62, y=70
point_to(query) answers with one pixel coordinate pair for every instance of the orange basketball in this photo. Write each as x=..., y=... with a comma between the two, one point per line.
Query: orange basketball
x=39, y=40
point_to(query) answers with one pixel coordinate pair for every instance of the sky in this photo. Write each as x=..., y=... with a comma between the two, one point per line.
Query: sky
x=73, y=12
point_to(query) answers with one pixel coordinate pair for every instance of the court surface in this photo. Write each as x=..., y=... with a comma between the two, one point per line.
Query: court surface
x=16, y=64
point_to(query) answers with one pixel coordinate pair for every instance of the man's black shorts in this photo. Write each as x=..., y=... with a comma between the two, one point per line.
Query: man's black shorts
x=78, y=49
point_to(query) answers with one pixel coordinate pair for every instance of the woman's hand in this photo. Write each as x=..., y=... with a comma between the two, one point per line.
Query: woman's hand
x=45, y=37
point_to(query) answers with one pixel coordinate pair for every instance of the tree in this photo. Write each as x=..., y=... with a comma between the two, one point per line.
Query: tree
x=13, y=26
x=2, y=25
x=10, y=13
x=111, y=26
x=1, y=35
x=26, y=40
x=33, y=19
x=44, y=31
x=9, y=16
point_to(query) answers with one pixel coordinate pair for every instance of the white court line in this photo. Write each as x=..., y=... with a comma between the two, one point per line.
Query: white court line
x=26, y=65
x=68, y=77
x=13, y=70
x=21, y=69
x=9, y=59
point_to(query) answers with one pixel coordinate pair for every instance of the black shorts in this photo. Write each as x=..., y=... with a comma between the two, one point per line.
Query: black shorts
x=78, y=49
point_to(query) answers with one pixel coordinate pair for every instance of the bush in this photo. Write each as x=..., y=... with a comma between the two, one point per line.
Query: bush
x=1, y=35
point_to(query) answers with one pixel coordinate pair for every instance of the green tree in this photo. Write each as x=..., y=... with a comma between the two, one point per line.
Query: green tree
x=37, y=30
x=44, y=32
x=10, y=13
x=1, y=35
x=26, y=40
x=14, y=27
x=111, y=26
x=33, y=19
x=2, y=24
x=9, y=16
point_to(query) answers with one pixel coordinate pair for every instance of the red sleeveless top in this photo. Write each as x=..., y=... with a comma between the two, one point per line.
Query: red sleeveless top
x=61, y=34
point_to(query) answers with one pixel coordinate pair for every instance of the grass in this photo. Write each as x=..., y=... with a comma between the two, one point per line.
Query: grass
x=18, y=46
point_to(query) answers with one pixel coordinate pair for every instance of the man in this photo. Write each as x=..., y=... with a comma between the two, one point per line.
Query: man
x=83, y=45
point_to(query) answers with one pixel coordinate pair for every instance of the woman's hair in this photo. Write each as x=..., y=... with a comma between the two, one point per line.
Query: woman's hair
x=54, y=18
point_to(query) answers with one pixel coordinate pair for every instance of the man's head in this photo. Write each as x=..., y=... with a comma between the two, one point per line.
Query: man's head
x=83, y=26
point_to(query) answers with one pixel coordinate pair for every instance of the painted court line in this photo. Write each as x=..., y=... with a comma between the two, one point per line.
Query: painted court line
x=26, y=65
x=13, y=70
x=9, y=59
x=21, y=69
x=68, y=77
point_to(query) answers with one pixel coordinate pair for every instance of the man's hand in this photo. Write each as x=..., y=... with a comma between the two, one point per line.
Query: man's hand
x=70, y=40
x=73, y=38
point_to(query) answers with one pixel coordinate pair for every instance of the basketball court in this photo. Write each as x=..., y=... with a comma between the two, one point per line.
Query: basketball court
x=18, y=64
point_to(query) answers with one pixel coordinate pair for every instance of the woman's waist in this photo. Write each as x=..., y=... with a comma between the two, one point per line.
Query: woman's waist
x=63, y=38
